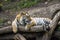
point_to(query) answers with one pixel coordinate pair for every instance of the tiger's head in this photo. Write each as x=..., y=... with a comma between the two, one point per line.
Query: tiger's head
x=20, y=18
x=23, y=18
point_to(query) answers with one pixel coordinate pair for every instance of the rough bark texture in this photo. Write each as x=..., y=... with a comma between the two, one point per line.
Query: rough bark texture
x=19, y=37
x=6, y=30
x=12, y=37
x=53, y=25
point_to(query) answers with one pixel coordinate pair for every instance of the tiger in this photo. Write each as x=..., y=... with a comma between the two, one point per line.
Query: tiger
x=26, y=20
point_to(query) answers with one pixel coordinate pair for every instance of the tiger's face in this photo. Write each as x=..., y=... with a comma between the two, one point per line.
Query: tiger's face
x=23, y=18
x=27, y=19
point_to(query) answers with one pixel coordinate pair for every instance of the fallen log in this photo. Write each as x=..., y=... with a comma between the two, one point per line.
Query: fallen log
x=12, y=37
x=9, y=29
x=6, y=30
x=47, y=35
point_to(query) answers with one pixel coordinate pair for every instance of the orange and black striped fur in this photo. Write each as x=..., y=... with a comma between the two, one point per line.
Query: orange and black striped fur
x=30, y=21
x=15, y=22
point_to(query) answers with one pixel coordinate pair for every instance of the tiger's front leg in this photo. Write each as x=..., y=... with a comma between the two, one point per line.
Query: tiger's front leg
x=29, y=25
x=14, y=26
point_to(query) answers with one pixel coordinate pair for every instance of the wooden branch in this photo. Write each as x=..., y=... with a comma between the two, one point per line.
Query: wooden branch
x=53, y=25
x=12, y=37
x=19, y=37
x=7, y=37
x=21, y=28
x=6, y=30
x=33, y=29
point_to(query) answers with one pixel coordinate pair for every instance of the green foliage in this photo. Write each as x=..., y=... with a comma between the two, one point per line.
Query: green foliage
x=27, y=3
x=21, y=4
x=58, y=28
x=1, y=21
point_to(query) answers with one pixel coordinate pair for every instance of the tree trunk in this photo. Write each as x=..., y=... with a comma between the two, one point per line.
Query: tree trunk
x=53, y=25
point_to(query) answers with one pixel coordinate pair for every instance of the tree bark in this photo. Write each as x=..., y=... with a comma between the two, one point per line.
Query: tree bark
x=12, y=37
x=9, y=29
x=19, y=37
x=6, y=30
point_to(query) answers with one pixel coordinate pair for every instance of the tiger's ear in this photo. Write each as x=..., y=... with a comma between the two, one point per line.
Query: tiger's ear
x=20, y=14
x=23, y=13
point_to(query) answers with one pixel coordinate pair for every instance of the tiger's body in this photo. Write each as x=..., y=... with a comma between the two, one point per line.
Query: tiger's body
x=28, y=21
x=38, y=21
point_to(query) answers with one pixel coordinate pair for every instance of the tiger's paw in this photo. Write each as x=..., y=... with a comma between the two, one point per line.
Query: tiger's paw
x=27, y=29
